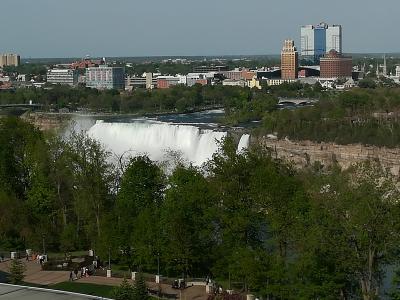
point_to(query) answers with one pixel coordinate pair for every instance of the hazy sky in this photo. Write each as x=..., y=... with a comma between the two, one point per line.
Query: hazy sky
x=65, y=28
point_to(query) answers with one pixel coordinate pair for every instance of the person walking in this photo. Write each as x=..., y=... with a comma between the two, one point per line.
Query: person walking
x=71, y=276
x=76, y=273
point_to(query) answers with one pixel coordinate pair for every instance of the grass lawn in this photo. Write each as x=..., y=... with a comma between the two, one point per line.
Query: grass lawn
x=84, y=288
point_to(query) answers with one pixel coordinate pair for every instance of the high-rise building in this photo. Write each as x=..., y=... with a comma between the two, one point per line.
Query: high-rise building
x=62, y=76
x=398, y=71
x=105, y=78
x=289, y=61
x=334, y=65
x=316, y=40
x=9, y=59
x=334, y=38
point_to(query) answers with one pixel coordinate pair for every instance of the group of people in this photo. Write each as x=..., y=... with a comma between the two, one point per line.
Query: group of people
x=40, y=259
x=75, y=275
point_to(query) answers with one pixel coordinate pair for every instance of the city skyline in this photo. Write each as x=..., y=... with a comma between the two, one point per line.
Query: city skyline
x=74, y=28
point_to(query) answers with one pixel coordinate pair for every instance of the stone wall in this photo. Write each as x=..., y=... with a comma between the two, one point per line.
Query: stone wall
x=304, y=153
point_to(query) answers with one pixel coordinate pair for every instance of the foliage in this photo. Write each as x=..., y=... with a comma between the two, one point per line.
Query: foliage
x=246, y=217
x=124, y=292
x=360, y=116
x=17, y=270
x=140, y=289
x=127, y=291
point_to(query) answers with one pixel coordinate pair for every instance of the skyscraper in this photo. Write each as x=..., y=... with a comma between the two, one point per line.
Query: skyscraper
x=334, y=38
x=320, y=39
x=289, y=61
x=9, y=60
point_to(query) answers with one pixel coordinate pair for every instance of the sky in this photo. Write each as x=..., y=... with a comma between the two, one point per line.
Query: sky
x=75, y=28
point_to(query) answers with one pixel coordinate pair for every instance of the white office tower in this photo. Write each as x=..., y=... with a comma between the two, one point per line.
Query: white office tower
x=307, y=41
x=317, y=40
x=398, y=71
x=334, y=38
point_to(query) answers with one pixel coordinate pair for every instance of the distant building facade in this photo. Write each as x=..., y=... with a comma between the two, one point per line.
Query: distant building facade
x=289, y=61
x=86, y=63
x=398, y=71
x=207, y=69
x=62, y=76
x=148, y=81
x=234, y=82
x=272, y=82
x=165, y=82
x=105, y=77
x=316, y=40
x=9, y=60
x=335, y=65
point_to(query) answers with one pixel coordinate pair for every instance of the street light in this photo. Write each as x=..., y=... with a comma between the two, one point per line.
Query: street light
x=109, y=258
x=158, y=263
x=44, y=247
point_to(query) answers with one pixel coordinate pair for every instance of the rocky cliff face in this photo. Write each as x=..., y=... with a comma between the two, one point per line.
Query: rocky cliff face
x=306, y=153
x=46, y=121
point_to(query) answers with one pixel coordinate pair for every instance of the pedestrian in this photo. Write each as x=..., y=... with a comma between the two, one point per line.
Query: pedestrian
x=76, y=273
x=70, y=276
x=27, y=257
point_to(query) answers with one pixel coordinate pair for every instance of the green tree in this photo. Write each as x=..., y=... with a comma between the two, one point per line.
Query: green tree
x=140, y=288
x=137, y=211
x=17, y=271
x=363, y=219
x=125, y=291
x=93, y=182
x=187, y=215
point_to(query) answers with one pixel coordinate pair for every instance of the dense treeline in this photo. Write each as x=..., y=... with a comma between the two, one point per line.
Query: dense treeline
x=178, y=98
x=367, y=116
x=362, y=115
x=244, y=217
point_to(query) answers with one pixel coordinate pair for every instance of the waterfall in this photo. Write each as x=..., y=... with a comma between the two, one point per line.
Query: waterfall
x=155, y=139
x=243, y=143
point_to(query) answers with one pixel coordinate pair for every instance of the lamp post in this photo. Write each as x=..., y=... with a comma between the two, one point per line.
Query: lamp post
x=158, y=263
x=109, y=258
x=44, y=246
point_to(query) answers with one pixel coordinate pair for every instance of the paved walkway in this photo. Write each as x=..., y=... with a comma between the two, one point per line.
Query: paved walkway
x=194, y=292
x=34, y=274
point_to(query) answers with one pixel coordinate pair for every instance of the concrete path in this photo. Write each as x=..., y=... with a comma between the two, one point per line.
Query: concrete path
x=35, y=275
x=194, y=292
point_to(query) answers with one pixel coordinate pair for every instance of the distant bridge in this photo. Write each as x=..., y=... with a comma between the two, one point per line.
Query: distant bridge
x=21, y=105
x=297, y=102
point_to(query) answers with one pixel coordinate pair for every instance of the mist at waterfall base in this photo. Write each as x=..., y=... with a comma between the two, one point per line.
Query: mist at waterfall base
x=193, y=137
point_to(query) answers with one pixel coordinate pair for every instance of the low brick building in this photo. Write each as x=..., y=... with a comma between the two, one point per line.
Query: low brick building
x=334, y=65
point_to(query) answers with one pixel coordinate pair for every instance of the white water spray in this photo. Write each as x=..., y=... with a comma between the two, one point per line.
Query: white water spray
x=155, y=139
x=243, y=143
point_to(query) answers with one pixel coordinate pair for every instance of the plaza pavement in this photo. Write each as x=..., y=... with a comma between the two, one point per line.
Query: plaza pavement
x=35, y=275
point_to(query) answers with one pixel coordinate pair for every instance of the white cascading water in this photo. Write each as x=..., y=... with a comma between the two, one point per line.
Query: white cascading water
x=243, y=143
x=155, y=139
